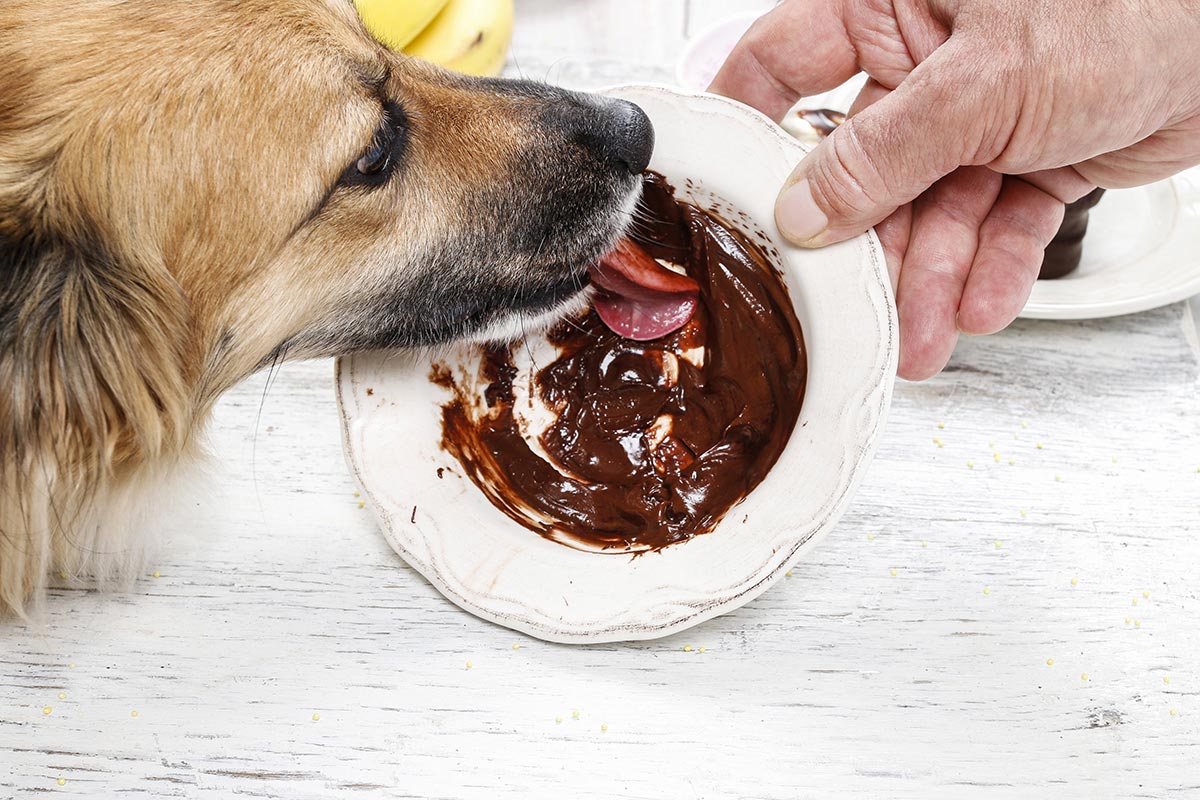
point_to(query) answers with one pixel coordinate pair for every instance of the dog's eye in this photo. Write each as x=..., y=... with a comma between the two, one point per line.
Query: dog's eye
x=377, y=157
x=375, y=165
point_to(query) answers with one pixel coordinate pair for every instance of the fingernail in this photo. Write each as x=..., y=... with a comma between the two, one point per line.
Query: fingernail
x=797, y=214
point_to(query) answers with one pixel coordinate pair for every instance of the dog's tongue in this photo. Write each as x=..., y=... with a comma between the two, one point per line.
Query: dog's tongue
x=639, y=298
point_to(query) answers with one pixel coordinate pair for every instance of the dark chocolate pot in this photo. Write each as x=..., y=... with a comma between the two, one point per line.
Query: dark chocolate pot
x=1064, y=253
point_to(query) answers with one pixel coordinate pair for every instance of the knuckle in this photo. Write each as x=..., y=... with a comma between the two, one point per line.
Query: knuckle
x=847, y=182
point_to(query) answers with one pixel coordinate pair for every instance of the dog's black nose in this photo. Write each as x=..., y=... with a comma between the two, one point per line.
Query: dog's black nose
x=630, y=137
x=616, y=132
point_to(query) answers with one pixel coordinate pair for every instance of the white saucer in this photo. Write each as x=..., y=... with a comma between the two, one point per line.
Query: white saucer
x=1142, y=251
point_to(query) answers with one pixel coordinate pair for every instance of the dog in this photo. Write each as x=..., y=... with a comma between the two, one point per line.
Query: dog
x=192, y=191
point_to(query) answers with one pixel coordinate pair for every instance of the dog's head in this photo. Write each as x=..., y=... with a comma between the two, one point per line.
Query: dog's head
x=281, y=182
x=190, y=190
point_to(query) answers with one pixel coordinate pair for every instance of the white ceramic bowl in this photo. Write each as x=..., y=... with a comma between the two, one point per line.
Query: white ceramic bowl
x=498, y=570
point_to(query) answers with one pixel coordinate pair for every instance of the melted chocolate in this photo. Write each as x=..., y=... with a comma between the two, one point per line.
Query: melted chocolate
x=1065, y=251
x=652, y=442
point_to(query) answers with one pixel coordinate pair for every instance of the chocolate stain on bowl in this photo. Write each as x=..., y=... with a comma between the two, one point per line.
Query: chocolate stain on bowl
x=650, y=443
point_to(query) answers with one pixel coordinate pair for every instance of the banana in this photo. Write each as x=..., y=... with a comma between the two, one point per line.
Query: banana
x=397, y=22
x=470, y=36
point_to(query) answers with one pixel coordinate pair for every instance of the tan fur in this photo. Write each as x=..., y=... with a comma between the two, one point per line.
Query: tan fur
x=163, y=160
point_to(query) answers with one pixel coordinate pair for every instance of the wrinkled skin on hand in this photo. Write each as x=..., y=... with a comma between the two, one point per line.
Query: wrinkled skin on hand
x=981, y=118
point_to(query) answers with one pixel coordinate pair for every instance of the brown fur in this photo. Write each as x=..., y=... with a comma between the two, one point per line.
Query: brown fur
x=171, y=220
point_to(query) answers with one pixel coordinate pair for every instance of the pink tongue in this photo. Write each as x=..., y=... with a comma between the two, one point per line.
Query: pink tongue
x=639, y=298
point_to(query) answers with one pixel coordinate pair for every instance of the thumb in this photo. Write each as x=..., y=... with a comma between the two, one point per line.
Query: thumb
x=885, y=156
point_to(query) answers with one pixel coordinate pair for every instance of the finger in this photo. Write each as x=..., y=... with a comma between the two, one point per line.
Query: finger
x=1012, y=241
x=871, y=93
x=799, y=48
x=944, y=238
x=1065, y=184
x=894, y=235
x=884, y=157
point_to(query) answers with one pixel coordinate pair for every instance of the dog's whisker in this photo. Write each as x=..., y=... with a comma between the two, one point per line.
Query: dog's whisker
x=579, y=327
x=516, y=63
x=272, y=371
x=528, y=348
x=646, y=212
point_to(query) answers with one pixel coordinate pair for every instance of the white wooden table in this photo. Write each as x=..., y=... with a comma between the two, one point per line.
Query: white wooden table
x=1040, y=635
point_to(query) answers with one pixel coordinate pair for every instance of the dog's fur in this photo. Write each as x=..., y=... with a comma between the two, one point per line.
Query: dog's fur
x=181, y=204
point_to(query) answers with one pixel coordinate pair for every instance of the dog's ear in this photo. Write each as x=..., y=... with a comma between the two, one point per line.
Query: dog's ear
x=89, y=351
x=93, y=401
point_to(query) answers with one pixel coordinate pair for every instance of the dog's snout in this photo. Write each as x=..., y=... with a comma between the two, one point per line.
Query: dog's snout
x=616, y=132
x=631, y=137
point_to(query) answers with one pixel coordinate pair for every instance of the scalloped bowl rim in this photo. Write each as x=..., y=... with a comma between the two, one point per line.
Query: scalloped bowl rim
x=470, y=577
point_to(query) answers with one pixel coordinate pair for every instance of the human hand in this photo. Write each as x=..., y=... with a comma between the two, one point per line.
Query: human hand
x=981, y=118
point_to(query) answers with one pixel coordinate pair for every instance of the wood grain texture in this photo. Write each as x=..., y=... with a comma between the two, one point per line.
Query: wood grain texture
x=278, y=599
